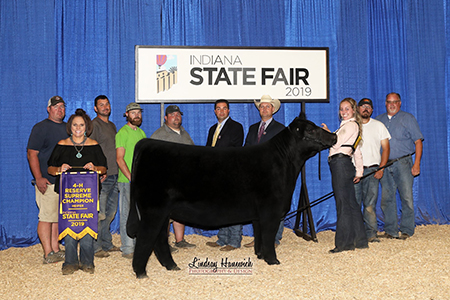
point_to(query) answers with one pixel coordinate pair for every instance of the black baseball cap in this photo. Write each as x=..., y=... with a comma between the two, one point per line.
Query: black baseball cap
x=365, y=101
x=173, y=108
x=55, y=100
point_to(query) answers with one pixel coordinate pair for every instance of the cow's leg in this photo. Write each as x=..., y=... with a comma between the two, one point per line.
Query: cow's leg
x=269, y=229
x=257, y=238
x=145, y=241
x=152, y=228
x=162, y=249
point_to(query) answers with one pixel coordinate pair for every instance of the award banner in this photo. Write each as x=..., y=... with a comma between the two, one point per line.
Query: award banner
x=78, y=204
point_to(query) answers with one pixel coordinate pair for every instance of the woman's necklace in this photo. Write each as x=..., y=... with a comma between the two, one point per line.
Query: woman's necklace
x=78, y=155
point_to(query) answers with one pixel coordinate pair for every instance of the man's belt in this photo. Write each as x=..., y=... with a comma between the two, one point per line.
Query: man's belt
x=372, y=166
x=391, y=161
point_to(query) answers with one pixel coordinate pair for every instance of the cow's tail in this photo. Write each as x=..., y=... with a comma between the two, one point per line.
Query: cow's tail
x=133, y=219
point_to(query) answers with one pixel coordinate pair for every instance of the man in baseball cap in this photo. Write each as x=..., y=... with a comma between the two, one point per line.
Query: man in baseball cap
x=126, y=140
x=55, y=100
x=132, y=106
x=43, y=138
x=173, y=131
x=173, y=108
x=375, y=136
x=365, y=101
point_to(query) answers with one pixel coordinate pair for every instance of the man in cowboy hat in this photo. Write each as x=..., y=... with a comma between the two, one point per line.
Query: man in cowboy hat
x=263, y=131
x=267, y=128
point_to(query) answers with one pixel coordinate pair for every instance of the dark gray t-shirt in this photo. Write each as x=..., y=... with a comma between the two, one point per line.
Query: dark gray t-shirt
x=104, y=134
x=43, y=138
x=164, y=133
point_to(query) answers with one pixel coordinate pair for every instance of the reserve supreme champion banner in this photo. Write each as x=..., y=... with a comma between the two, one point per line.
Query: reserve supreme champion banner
x=205, y=74
x=78, y=204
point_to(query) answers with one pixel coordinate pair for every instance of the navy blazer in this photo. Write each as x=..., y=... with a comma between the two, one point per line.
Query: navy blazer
x=231, y=135
x=272, y=130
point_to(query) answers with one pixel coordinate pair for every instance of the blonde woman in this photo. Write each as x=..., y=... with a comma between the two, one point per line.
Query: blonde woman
x=346, y=166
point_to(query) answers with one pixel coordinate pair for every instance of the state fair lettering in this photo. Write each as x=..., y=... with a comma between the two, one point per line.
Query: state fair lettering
x=240, y=75
x=246, y=76
x=77, y=216
x=295, y=75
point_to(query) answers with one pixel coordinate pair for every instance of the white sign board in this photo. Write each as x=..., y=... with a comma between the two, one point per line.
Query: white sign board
x=205, y=74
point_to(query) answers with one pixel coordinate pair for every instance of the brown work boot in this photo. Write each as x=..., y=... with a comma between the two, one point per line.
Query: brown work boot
x=250, y=245
x=212, y=244
x=88, y=269
x=69, y=269
x=227, y=248
x=101, y=253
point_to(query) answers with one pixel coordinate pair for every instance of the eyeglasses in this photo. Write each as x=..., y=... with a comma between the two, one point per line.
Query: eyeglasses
x=393, y=102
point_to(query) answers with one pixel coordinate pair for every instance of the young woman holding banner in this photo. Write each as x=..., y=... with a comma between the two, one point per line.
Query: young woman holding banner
x=77, y=153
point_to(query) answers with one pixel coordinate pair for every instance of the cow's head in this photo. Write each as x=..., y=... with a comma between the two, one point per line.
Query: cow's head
x=310, y=136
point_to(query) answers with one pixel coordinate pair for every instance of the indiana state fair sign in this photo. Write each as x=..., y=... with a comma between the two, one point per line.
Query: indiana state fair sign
x=205, y=74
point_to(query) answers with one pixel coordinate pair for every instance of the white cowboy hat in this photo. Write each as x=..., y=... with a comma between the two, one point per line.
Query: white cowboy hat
x=266, y=98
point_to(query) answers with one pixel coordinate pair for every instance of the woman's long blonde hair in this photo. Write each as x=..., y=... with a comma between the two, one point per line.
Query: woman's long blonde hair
x=357, y=116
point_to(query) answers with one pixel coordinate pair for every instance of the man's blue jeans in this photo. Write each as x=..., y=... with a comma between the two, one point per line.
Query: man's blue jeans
x=366, y=192
x=398, y=177
x=109, y=198
x=231, y=235
x=279, y=234
x=124, y=203
x=86, y=250
x=280, y=230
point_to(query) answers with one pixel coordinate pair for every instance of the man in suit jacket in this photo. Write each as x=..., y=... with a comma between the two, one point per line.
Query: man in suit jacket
x=259, y=133
x=263, y=131
x=226, y=133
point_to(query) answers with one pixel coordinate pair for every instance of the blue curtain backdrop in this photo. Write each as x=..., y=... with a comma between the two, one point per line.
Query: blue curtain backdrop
x=80, y=49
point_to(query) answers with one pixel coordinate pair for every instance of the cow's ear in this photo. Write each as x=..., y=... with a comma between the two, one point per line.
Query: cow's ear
x=302, y=116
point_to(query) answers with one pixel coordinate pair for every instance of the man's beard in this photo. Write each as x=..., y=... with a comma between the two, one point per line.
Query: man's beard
x=392, y=111
x=365, y=115
x=135, y=121
x=105, y=115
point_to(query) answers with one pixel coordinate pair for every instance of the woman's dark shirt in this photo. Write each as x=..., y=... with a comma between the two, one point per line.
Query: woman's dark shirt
x=66, y=154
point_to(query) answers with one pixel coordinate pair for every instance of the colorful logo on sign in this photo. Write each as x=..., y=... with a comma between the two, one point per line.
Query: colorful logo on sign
x=166, y=72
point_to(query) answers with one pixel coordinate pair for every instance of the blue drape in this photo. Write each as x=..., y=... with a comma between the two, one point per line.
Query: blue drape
x=79, y=49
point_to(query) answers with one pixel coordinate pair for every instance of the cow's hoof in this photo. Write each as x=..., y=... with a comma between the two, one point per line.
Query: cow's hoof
x=259, y=256
x=272, y=261
x=174, y=268
x=141, y=276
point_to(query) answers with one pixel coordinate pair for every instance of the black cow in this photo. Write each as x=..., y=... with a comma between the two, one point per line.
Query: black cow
x=216, y=187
